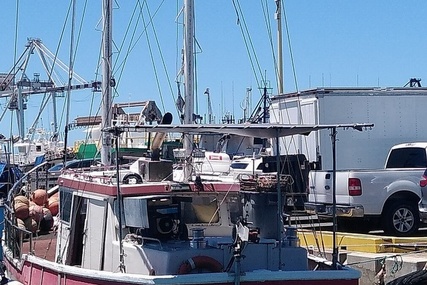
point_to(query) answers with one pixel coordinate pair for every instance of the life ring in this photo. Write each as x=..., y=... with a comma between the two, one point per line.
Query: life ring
x=200, y=262
x=136, y=177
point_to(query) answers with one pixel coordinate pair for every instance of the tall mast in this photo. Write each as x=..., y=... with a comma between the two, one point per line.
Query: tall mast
x=188, y=76
x=279, y=47
x=70, y=78
x=106, y=80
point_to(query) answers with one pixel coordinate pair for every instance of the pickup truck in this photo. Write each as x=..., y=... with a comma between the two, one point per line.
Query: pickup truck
x=384, y=198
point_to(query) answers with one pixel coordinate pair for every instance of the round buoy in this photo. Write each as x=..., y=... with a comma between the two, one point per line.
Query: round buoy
x=46, y=223
x=53, y=205
x=22, y=199
x=21, y=207
x=36, y=212
x=39, y=197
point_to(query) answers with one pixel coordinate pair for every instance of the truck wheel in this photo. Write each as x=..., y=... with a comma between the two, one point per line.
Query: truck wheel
x=401, y=219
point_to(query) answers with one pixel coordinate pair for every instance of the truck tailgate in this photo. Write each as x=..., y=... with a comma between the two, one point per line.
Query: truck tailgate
x=321, y=184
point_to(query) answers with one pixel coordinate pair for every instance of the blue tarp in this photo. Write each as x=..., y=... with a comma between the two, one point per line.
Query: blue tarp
x=39, y=160
x=9, y=174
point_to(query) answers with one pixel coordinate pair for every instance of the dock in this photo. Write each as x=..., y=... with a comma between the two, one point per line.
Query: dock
x=370, y=252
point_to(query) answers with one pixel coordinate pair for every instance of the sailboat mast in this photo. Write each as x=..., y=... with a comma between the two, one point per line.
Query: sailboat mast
x=279, y=47
x=188, y=75
x=106, y=103
x=188, y=60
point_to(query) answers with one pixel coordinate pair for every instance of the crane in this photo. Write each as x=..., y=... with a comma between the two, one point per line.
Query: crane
x=17, y=87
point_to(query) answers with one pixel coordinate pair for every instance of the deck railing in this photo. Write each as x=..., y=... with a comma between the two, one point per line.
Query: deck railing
x=15, y=237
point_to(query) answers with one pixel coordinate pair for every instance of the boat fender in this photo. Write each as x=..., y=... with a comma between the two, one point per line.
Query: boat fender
x=136, y=177
x=200, y=262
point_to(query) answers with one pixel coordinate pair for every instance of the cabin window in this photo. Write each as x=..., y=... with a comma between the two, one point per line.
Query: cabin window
x=202, y=210
x=235, y=209
x=132, y=205
x=65, y=199
x=258, y=140
x=239, y=165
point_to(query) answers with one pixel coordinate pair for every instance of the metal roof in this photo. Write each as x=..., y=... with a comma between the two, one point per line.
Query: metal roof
x=247, y=130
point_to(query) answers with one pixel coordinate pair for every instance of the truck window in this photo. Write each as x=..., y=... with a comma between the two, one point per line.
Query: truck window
x=407, y=158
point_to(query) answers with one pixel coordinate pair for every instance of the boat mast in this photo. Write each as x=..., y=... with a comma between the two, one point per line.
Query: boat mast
x=107, y=81
x=188, y=78
x=107, y=84
x=279, y=47
x=70, y=78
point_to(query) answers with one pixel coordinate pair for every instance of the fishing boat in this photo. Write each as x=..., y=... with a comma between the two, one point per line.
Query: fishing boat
x=157, y=231
x=133, y=224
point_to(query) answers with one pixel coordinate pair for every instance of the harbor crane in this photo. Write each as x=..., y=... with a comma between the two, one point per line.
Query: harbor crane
x=17, y=87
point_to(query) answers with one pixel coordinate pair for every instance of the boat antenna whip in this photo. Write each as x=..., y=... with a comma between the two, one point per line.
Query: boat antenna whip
x=116, y=134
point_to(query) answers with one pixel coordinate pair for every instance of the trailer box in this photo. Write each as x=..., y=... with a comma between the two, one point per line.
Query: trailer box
x=398, y=115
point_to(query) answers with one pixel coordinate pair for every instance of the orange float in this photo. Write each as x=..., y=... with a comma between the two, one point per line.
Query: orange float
x=53, y=205
x=36, y=212
x=39, y=197
x=21, y=207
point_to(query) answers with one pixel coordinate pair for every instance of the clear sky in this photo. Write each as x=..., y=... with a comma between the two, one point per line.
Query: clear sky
x=334, y=44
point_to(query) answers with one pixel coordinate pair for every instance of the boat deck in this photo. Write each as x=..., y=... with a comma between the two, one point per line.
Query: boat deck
x=43, y=245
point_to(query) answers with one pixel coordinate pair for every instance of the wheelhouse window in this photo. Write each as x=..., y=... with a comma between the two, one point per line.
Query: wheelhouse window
x=234, y=208
x=202, y=210
x=65, y=202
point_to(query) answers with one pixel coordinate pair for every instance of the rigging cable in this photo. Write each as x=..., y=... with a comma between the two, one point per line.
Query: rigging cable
x=152, y=58
x=248, y=43
x=133, y=43
x=292, y=140
x=162, y=60
x=50, y=72
x=290, y=47
x=121, y=66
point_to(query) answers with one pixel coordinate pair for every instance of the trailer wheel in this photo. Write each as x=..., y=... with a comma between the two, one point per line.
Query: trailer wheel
x=401, y=219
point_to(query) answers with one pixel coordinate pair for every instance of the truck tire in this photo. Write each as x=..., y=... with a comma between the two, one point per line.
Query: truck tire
x=401, y=219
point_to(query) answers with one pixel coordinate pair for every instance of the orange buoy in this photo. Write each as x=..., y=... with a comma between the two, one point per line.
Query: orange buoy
x=53, y=205
x=22, y=199
x=21, y=207
x=36, y=212
x=46, y=223
x=39, y=197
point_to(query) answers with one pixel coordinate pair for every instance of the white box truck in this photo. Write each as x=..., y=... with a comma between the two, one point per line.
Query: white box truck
x=399, y=115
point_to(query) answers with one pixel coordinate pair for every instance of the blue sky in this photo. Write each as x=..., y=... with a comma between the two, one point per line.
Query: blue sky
x=334, y=44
